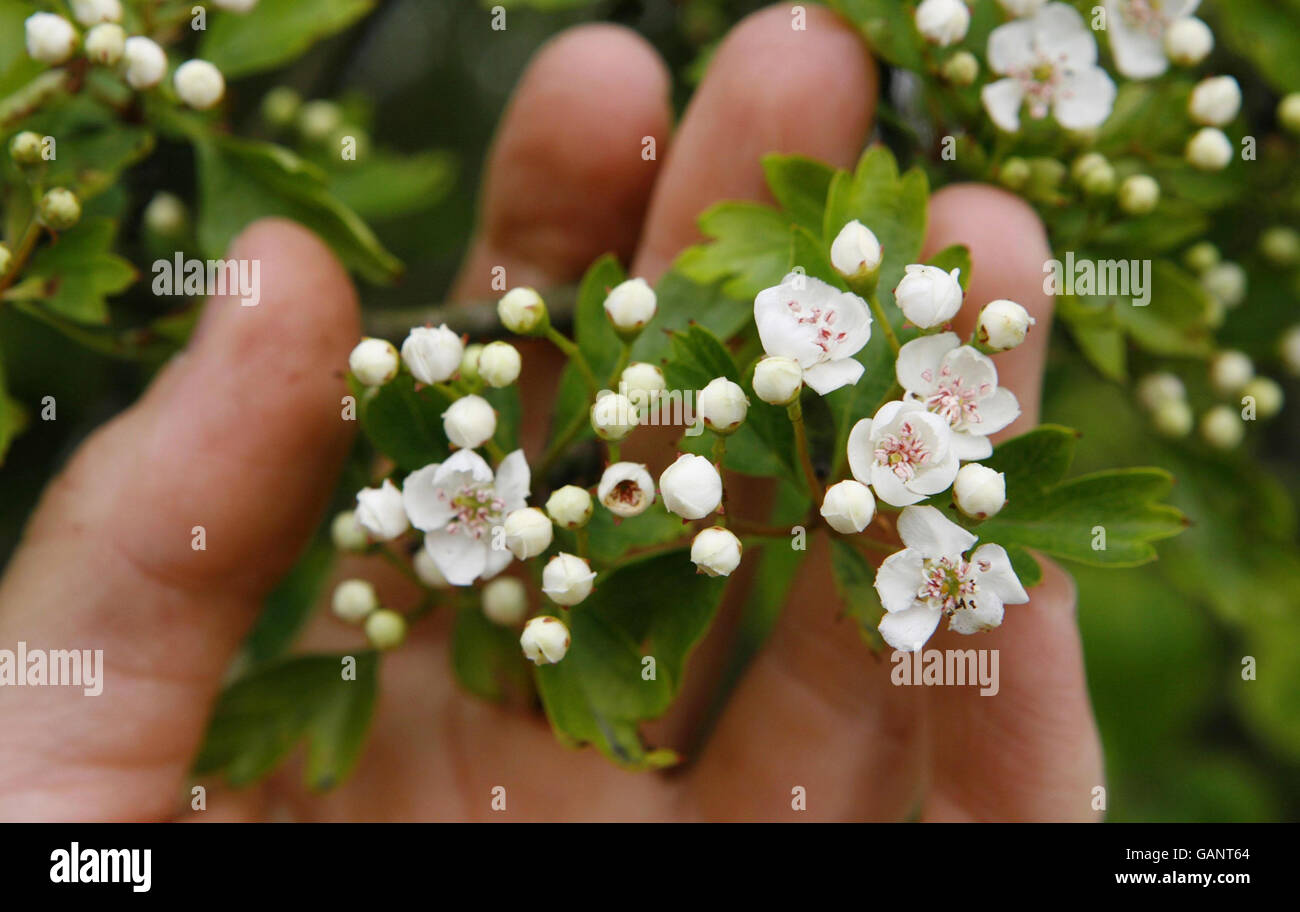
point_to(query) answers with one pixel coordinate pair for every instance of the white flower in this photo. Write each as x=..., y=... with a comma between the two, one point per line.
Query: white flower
x=93, y=12
x=545, y=640
x=528, y=532
x=569, y=506
x=642, y=383
x=236, y=6
x=626, y=489
x=385, y=629
x=1188, y=41
x=960, y=385
x=716, y=552
x=613, y=416
x=505, y=601
x=1050, y=61
x=1021, y=7
x=928, y=296
x=1290, y=349
x=470, y=422
x=1003, y=325
x=199, y=84
x=979, y=491
x=1230, y=371
x=567, y=579
x=1226, y=281
x=856, y=252
x=817, y=325
x=930, y=578
x=942, y=22
x=1173, y=418
x=778, y=380
x=848, y=507
x=458, y=504
x=1137, y=30
x=905, y=453
x=105, y=44
x=1139, y=194
x=380, y=511
x=432, y=355
x=723, y=405
x=427, y=570
x=691, y=487
x=499, y=364
x=144, y=62
x=1153, y=390
x=1209, y=150
x=522, y=311
x=1215, y=101
x=50, y=38
x=347, y=533
x=630, y=305
x=354, y=599
x=1222, y=427
x=1267, y=394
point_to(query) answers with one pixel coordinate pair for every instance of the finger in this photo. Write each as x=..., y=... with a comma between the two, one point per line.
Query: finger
x=239, y=441
x=770, y=88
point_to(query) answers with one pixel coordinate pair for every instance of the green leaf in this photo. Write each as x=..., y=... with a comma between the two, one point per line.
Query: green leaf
x=956, y=256
x=289, y=605
x=403, y=424
x=16, y=67
x=274, y=32
x=611, y=537
x=381, y=185
x=1174, y=323
x=74, y=276
x=750, y=249
x=13, y=417
x=683, y=302
x=800, y=186
x=595, y=338
x=264, y=715
x=1267, y=33
x=889, y=29
x=855, y=581
x=486, y=657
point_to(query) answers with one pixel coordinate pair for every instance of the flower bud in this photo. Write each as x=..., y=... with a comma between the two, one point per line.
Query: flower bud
x=523, y=312
x=942, y=22
x=1154, y=390
x=93, y=12
x=1188, y=41
x=570, y=507
x=626, y=489
x=166, y=216
x=1020, y=8
x=50, y=39
x=630, y=306
x=1173, y=418
x=1230, y=371
x=613, y=417
x=979, y=492
x=1226, y=282
x=723, y=405
x=319, y=120
x=60, y=209
x=778, y=380
x=1267, y=394
x=105, y=44
x=380, y=511
x=470, y=422
x=432, y=355
x=1209, y=150
x=1003, y=325
x=545, y=640
x=1045, y=177
x=236, y=6
x=199, y=84
x=528, y=532
x=642, y=383
x=144, y=63
x=848, y=507
x=385, y=629
x=1280, y=245
x=928, y=296
x=567, y=579
x=280, y=107
x=1215, y=101
x=1099, y=180
x=353, y=600
x=1290, y=349
x=26, y=148
x=6, y=257
x=469, y=362
x=1201, y=257
x=1288, y=113
x=373, y=362
x=347, y=533
x=691, y=487
x=716, y=552
x=1014, y=173
x=961, y=69
x=1084, y=164
x=499, y=364
x=1222, y=428
x=427, y=569
x=855, y=252
x=1139, y=194
x=505, y=601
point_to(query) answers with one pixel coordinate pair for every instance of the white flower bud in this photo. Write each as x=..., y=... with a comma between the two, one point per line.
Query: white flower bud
x=848, y=507
x=1230, y=371
x=855, y=252
x=347, y=533
x=716, y=552
x=522, y=311
x=979, y=492
x=144, y=63
x=1226, y=281
x=928, y=296
x=381, y=512
x=567, y=579
x=236, y=6
x=1100, y=180
x=385, y=629
x=642, y=383
x=1202, y=257
x=1288, y=113
x=93, y=12
x=426, y=568
x=570, y=507
x=505, y=601
x=499, y=364
x=166, y=216
x=778, y=380
x=528, y=532
x=199, y=84
x=105, y=44
x=470, y=422
x=432, y=355
x=1280, y=245
x=27, y=148
x=59, y=209
x=613, y=416
x=961, y=69
x=1021, y=7
x=354, y=599
x=1003, y=325
x=1188, y=41
x=1267, y=394
x=1290, y=349
x=1154, y=390
x=1222, y=427
x=1209, y=150
x=50, y=39
x=373, y=362
x=469, y=361
x=942, y=22
x=319, y=120
x=691, y=487
x=280, y=107
x=1139, y=194
x=545, y=640
x=1215, y=101
x=1173, y=418
x=1085, y=164
x=723, y=405
x=626, y=489
x=630, y=305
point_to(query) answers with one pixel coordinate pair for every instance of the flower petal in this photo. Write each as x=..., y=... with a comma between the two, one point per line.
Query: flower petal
x=968, y=447
x=997, y=411
x=932, y=534
x=899, y=578
x=425, y=505
x=890, y=489
x=861, y=455
x=1138, y=53
x=461, y=558
x=1002, y=99
x=1000, y=578
x=908, y=630
x=497, y=558
x=1061, y=36
x=829, y=376
x=985, y=614
x=1084, y=99
x=974, y=369
x=918, y=362
x=463, y=462
x=1011, y=47
x=512, y=480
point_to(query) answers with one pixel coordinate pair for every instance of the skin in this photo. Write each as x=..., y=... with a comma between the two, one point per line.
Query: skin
x=242, y=434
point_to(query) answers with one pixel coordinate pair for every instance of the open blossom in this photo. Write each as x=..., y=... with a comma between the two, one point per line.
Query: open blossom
x=458, y=504
x=905, y=453
x=817, y=325
x=960, y=385
x=626, y=489
x=1049, y=61
x=930, y=578
x=1137, y=33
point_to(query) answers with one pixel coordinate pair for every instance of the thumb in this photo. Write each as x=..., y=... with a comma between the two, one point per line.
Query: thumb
x=236, y=443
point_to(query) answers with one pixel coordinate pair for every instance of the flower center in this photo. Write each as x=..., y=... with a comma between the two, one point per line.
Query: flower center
x=947, y=584
x=821, y=320
x=902, y=453
x=955, y=402
x=477, y=509
x=1146, y=16
x=626, y=492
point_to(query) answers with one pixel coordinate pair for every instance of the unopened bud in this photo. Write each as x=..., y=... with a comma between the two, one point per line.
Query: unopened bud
x=353, y=600
x=570, y=507
x=979, y=492
x=385, y=629
x=505, y=601
x=373, y=362
x=523, y=312
x=60, y=209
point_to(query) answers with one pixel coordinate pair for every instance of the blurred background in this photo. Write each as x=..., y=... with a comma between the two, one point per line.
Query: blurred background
x=1186, y=738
